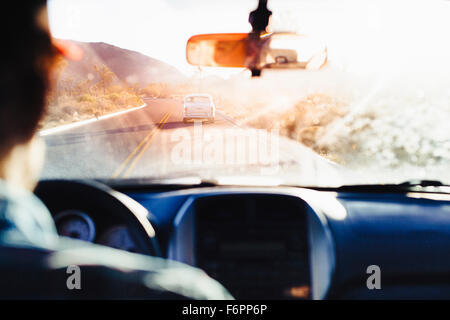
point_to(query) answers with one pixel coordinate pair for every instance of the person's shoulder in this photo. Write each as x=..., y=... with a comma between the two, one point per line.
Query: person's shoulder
x=24, y=216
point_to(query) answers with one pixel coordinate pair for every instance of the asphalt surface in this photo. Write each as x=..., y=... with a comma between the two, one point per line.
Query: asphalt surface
x=153, y=141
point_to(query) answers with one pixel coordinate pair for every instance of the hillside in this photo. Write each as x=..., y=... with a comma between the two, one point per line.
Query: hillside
x=129, y=66
x=107, y=79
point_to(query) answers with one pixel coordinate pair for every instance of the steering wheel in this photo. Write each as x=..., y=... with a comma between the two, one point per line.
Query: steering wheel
x=94, y=198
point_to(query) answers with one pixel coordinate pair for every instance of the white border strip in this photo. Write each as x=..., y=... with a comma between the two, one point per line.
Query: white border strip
x=65, y=127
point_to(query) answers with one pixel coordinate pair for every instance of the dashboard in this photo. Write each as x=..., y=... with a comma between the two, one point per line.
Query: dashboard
x=287, y=243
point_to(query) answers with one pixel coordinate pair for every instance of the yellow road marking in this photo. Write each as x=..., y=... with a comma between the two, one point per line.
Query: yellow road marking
x=130, y=156
x=138, y=157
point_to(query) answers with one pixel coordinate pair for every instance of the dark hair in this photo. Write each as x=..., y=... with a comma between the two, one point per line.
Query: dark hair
x=26, y=56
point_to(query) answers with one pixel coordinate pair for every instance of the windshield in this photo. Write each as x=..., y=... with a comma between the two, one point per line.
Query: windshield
x=378, y=112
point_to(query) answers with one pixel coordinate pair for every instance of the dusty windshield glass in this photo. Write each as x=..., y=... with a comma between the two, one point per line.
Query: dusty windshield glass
x=378, y=112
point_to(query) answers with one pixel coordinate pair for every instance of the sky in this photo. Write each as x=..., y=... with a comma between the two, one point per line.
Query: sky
x=362, y=36
x=157, y=28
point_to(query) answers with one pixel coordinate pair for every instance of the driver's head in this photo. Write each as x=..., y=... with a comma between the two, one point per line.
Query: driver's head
x=26, y=56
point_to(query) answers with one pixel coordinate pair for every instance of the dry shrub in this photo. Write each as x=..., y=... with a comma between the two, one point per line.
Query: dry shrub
x=67, y=109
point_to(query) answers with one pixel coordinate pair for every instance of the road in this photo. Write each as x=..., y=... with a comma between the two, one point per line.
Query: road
x=153, y=141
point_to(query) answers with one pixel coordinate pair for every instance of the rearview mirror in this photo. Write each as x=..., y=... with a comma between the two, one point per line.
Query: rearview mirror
x=247, y=50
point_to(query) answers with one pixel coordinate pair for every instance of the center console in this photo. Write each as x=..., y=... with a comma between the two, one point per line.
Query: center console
x=255, y=245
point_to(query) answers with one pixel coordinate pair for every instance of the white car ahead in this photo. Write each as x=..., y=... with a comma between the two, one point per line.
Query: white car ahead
x=199, y=106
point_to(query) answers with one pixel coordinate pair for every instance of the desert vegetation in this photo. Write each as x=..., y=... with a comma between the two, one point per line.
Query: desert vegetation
x=73, y=98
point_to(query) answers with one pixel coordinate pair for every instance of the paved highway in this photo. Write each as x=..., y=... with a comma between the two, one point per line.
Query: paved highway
x=153, y=141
